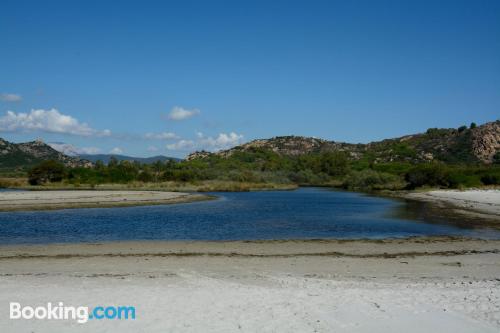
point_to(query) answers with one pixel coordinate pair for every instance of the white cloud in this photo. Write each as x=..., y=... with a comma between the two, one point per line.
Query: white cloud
x=161, y=136
x=222, y=141
x=179, y=113
x=51, y=121
x=71, y=150
x=105, y=132
x=182, y=145
x=152, y=148
x=5, y=97
x=116, y=150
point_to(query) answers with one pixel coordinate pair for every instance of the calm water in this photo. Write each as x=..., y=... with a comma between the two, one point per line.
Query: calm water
x=304, y=213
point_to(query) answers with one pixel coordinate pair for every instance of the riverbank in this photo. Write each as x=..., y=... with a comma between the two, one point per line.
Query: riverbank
x=169, y=186
x=473, y=203
x=411, y=285
x=48, y=200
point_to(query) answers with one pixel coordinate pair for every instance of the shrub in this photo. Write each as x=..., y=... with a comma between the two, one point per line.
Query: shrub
x=145, y=176
x=47, y=171
x=334, y=164
x=308, y=177
x=372, y=180
x=490, y=179
x=433, y=174
x=461, y=178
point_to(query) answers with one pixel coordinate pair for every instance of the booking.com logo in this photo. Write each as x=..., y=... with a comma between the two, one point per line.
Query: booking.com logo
x=81, y=314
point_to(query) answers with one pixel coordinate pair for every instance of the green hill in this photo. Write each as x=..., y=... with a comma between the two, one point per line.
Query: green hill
x=475, y=144
x=21, y=156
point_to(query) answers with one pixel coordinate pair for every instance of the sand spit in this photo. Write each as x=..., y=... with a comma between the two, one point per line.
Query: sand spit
x=483, y=203
x=46, y=200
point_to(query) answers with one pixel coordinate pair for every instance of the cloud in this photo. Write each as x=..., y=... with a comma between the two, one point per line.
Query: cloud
x=152, y=148
x=161, y=136
x=5, y=97
x=182, y=145
x=222, y=141
x=71, y=150
x=179, y=113
x=50, y=121
x=116, y=150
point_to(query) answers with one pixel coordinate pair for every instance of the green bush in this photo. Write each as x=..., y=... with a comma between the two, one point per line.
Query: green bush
x=372, y=180
x=433, y=174
x=490, y=180
x=308, y=177
x=47, y=171
x=460, y=180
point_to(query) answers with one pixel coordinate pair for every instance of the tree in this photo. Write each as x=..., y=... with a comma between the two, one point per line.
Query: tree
x=473, y=125
x=145, y=176
x=334, y=163
x=99, y=165
x=47, y=171
x=433, y=174
x=113, y=162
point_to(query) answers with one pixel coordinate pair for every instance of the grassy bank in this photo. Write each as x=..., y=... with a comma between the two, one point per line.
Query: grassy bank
x=170, y=186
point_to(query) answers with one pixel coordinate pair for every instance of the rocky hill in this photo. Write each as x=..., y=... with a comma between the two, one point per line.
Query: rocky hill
x=461, y=145
x=23, y=155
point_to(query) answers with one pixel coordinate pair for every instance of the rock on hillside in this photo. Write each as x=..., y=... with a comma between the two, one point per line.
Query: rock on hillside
x=486, y=141
x=27, y=154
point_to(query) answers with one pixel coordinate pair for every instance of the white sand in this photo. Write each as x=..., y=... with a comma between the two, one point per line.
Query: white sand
x=483, y=201
x=275, y=292
x=26, y=200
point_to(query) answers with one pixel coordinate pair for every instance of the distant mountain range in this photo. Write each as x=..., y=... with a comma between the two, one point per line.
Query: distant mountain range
x=105, y=158
x=473, y=144
x=72, y=151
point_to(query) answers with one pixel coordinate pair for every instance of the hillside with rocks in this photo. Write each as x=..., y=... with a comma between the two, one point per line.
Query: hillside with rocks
x=474, y=144
x=23, y=155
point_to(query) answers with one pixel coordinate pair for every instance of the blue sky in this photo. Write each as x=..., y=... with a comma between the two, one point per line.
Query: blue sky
x=165, y=77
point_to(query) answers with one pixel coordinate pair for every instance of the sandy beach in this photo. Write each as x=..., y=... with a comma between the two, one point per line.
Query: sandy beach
x=46, y=200
x=481, y=203
x=391, y=285
x=413, y=285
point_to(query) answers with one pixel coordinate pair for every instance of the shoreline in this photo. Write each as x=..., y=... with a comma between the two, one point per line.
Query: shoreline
x=355, y=248
x=68, y=199
x=472, y=203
